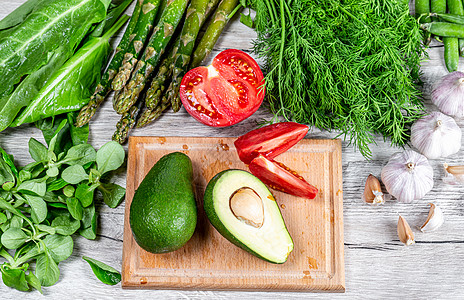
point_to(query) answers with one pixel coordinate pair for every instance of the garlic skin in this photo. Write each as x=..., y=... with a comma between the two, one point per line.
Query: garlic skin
x=453, y=174
x=448, y=96
x=404, y=232
x=434, y=220
x=372, y=191
x=436, y=135
x=407, y=176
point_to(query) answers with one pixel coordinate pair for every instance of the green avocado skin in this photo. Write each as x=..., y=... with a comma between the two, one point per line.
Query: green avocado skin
x=163, y=213
x=208, y=205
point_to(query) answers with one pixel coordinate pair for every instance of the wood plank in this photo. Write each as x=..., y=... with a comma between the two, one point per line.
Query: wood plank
x=208, y=261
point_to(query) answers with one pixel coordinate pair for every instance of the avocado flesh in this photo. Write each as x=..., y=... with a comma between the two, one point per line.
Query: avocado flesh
x=271, y=241
x=163, y=212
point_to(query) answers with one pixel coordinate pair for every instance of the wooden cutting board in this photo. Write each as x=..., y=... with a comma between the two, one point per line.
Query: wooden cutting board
x=210, y=262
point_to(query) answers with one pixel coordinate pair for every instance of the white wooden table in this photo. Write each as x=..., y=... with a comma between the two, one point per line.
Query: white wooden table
x=377, y=264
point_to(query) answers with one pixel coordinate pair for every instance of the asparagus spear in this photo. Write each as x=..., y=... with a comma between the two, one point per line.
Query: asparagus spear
x=103, y=87
x=214, y=30
x=149, y=115
x=186, y=49
x=126, y=123
x=156, y=46
x=141, y=31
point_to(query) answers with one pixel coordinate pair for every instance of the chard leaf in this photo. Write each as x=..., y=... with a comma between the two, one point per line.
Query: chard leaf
x=11, y=104
x=69, y=88
x=104, y=273
x=52, y=24
x=18, y=15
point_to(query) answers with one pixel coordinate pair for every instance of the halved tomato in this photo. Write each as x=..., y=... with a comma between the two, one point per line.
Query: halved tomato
x=270, y=140
x=226, y=92
x=279, y=177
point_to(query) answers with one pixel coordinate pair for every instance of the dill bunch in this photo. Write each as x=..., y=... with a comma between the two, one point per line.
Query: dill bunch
x=350, y=65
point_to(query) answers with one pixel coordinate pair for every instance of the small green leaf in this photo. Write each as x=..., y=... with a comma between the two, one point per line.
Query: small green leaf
x=34, y=281
x=113, y=194
x=47, y=270
x=46, y=228
x=53, y=172
x=65, y=225
x=56, y=185
x=15, y=278
x=75, y=208
x=39, y=208
x=53, y=141
x=104, y=273
x=24, y=175
x=7, y=186
x=89, y=223
x=74, y=174
x=246, y=20
x=3, y=218
x=80, y=155
x=85, y=193
x=14, y=238
x=110, y=157
x=35, y=186
x=79, y=135
x=60, y=247
x=37, y=150
x=68, y=191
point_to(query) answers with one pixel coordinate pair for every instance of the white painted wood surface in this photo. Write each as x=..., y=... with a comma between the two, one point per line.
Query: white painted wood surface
x=377, y=264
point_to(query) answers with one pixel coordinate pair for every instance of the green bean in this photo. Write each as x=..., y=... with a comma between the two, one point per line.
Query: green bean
x=444, y=29
x=451, y=53
x=455, y=7
x=451, y=18
x=423, y=7
x=437, y=6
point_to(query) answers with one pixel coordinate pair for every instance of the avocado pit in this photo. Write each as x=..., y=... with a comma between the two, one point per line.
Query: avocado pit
x=247, y=206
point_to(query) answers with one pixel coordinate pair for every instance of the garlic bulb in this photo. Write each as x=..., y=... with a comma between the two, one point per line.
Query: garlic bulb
x=434, y=219
x=436, y=135
x=448, y=96
x=408, y=176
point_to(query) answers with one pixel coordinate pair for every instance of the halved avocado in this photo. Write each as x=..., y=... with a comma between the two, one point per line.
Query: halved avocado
x=244, y=211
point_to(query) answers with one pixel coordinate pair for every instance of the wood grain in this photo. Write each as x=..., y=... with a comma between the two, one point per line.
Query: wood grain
x=209, y=261
x=377, y=265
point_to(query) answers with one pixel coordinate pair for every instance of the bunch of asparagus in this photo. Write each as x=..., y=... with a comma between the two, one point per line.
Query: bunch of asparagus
x=146, y=73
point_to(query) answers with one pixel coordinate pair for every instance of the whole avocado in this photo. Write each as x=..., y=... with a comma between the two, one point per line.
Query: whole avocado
x=163, y=213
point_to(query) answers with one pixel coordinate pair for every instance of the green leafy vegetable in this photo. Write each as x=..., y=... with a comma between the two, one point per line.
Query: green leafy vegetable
x=352, y=66
x=68, y=89
x=110, y=157
x=13, y=238
x=51, y=24
x=113, y=194
x=104, y=273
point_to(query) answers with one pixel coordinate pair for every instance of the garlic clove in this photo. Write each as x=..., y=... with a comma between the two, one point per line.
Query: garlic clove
x=404, y=232
x=372, y=191
x=454, y=174
x=434, y=220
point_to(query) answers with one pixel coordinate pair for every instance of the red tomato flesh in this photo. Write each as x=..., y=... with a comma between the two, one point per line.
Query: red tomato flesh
x=224, y=93
x=279, y=177
x=270, y=140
